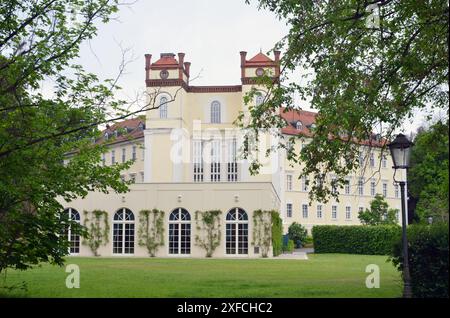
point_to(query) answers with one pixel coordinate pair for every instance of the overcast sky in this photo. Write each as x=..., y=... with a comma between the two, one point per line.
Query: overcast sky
x=210, y=32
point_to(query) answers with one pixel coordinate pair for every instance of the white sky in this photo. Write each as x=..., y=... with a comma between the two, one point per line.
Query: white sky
x=210, y=32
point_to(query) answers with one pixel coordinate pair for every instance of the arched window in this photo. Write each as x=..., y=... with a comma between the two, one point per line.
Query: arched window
x=123, y=232
x=74, y=239
x=259, y=99
x=215, y=112
x=299, y=125
x=163, y=107
x=237, y=232
x=180, y=232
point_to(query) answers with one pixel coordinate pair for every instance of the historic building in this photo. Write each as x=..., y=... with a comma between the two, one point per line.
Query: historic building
x=186, y=159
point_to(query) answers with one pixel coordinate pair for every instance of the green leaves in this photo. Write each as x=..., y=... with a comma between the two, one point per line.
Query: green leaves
x=379, y=213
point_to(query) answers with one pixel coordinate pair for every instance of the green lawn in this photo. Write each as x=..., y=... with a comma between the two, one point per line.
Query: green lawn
x=323, y=275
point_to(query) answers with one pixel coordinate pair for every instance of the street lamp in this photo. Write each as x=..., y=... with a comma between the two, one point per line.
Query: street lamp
x=400, y=151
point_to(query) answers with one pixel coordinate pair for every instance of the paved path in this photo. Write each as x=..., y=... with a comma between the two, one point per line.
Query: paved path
x=298, y=255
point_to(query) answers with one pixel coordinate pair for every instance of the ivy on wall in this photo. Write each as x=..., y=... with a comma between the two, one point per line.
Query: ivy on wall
x=277, y=233
x=208, y=223
x=97, y=230
x=151, y=230
x=262, y=231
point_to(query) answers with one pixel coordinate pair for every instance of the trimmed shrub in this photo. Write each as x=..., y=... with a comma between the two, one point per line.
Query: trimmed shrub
x=355, y=239
x=277, y=234
x=428, y=259
x=289, y=247
x=298, y=234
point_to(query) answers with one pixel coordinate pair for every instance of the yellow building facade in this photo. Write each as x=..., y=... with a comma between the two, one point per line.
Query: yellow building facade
x=187, y=159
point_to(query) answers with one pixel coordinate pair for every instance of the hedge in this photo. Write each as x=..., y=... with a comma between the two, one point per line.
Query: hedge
x=277, y=233
x=428, y=259
x=355, y=239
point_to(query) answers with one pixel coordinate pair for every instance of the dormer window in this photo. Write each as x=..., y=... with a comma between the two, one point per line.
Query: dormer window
x=298, y=125
x=141, y=126
x=313, y=126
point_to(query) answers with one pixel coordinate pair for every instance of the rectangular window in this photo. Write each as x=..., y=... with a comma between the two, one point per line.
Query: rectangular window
x=334, y=212
x=385, y=189
x=361, y=186
x=372, y=159
x=305, y=211
x=348, y=213
x=198, y=162
x=215, y=161
x=142, y=176
x=133, y=177
x=361, y=209
x=133, y=154
x=347, y=186
x=124, y=151
x=372, y=188
x=232, y=172
x=143, y=153
x=103, y=159
x=333, y=185
x=396, y=190
x=113, y=157
x=289, y=210
x=319, y=211
x=384, y=161
x=361, y=158
x=289, y=182
x=304, y=184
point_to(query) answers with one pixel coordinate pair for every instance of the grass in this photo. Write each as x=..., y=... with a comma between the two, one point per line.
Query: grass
x=323, y=275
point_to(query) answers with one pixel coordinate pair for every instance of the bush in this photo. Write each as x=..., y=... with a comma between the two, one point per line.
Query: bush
x=428, y=259
x=297, y=233
x=289, y=247
x=355, y=239
x=277, y=234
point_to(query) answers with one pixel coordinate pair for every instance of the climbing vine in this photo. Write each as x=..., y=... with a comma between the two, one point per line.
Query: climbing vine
x=262, y=231
x=97, y=231
x=151, y=230
x=208, y=223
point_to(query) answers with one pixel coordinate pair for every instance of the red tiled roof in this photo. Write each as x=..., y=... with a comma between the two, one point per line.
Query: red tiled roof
x=128, y=129
x=166, y=59
x=260, y=57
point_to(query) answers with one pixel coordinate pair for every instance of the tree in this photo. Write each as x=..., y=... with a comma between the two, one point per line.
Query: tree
x=379, y=213
x=47, y=151
x=367, y=66
x=297, y=233
x=428, y=175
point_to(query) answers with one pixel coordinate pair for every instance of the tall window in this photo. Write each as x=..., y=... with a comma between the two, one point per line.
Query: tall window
x=385, y=189
x=319, y=211
x=198, y=161
x=334, y=189
x=123, y=232
x=334, y=212
x=384, y=161
x=74, y=239
x=372, y=159
x=289, y=182
x=304, y=184
x=347, y=186
x=163, y=107
x=361, y=186
x=259, y=99
x=113, y=157
x=215, y=161
x=124, y=155
x=305, y=211
x=372, y=188
x=133, y=154
x=215, y=112
x=236, y=232
x=180, y=232
x=360, y=209
x=348, y=212
x=396, y=190
x=232, y=172
x=289, y=210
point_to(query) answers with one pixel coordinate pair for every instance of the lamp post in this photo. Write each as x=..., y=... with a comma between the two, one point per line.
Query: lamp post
x=400, y=151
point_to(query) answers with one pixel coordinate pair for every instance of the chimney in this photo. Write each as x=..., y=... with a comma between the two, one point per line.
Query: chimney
x=181, y=62
x=277, y=61
x=187, y=66
x=148, y=58
x=243, y=55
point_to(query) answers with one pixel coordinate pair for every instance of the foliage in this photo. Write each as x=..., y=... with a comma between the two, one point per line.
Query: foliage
x=208, y=223
x=262, y=230
x=97, y=231
x=366, y=67
x=428, y=259
x=277, y=233
x=46, y=141
x=428, y=176
x=289, y=247
x=355, y=239
x=379, y=213
x=297, y=233
x=151, y=230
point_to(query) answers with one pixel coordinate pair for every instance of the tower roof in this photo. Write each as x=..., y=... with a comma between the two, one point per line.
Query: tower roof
x=166, y=59
x=260, y=58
